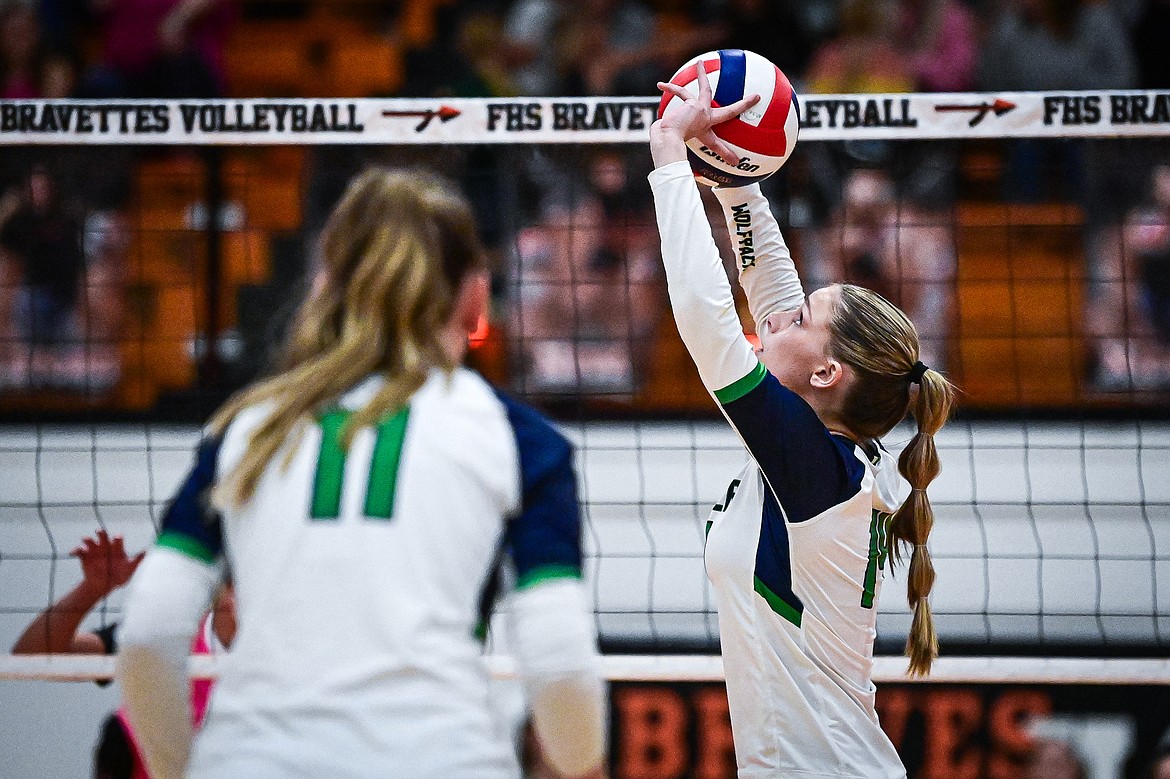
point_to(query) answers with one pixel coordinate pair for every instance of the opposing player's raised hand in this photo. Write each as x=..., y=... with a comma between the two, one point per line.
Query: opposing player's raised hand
x=697, y=118
x=105, y=566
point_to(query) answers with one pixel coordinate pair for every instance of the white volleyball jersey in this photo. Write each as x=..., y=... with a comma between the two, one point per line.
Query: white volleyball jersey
x=361, y=576
x=796, y=547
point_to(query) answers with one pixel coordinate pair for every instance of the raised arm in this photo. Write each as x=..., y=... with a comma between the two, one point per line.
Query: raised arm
x=105, y=567
x=766, y=270
x=700, y=295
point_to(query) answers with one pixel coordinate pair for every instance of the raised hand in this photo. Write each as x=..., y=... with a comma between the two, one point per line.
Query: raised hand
x=697, y=118
x=105, y=566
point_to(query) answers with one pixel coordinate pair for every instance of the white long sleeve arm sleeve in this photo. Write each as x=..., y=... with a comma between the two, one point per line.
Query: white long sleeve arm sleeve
x=555, y=645
x=766, y=270
x=168, y=596
x=700, y=294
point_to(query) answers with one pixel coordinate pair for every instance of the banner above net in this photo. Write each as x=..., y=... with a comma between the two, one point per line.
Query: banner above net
x=566, y=120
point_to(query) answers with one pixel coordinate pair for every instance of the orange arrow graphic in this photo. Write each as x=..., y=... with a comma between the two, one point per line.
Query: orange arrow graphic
x=442, y=113
x=999, y=107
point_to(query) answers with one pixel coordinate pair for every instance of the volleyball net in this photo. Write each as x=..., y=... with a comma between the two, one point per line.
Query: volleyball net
x=1026, y=234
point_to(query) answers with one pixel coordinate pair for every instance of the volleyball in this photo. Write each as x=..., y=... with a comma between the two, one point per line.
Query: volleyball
x=763, y=136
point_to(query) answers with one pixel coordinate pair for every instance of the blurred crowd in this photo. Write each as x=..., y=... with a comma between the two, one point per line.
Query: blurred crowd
x=579, y=279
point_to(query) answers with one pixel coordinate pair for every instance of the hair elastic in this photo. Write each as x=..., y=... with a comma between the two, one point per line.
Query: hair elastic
x=916, y=372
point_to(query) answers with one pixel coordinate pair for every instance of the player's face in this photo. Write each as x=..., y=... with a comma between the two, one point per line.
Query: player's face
x=794, y=345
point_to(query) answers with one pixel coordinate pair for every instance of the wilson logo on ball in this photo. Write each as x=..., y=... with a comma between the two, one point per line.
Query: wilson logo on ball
x=763, y=136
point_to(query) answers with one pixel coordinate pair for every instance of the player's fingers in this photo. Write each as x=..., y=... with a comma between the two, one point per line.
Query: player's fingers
x=675, y=90
x=717, y=145
x=704, y=84
x=735, y=109
x=117, y=548
x=103, y=537
x=77, y=551
x=137, y=559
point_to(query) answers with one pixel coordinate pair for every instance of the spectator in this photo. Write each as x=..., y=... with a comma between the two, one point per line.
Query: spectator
x=101, y=310
x=884, y=207
x=1069, y=45
x=464, y=59
x=1057, y=45
x=864, y=56
x=47, y=237
x=590, y=47
x=61, y=288
x=41, y=268
x=941, y=38
x=588, y=288
x=161, y=48
x=27, y=68
x=1129, y=308
x=529, y=34
x=611, y=47
x=878, y=240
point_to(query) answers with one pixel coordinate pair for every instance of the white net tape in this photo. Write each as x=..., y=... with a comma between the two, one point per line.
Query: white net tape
x=257, y=122
x=698, y=668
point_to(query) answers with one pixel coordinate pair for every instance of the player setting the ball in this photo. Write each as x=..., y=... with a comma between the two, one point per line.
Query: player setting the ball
x=797, y=549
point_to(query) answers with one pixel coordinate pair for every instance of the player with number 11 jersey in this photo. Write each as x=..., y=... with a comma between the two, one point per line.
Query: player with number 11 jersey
x=367, y=529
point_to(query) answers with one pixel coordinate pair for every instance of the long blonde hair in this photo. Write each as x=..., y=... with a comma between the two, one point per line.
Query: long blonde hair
x=880, y=344
x=392, y=256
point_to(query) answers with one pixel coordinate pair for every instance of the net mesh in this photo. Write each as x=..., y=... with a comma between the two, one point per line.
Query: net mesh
x=1048, y=309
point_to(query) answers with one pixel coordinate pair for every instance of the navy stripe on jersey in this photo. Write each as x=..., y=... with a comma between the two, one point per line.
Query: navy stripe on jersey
x=544, y=540
x=810, y=469
x=190, y=525
x=732, y=72
x=774, y=564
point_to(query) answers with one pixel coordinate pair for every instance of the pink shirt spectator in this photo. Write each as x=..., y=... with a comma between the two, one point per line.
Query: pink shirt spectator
x=132, y=41
x=942, y=40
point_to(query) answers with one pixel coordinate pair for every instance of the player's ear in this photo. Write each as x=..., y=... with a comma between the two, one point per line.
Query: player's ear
x=471, y=303
x=828, y=374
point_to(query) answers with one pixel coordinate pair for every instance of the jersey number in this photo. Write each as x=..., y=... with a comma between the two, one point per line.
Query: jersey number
x=731, y=488
x=383, y=477
x=879, y=526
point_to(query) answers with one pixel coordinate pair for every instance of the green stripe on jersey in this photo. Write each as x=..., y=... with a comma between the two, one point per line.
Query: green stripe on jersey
x=878, y=526
x=546, y=572
x=330, y=468
x=738, y=389
x=185, y=544
x=778, y=604
x=384, y=465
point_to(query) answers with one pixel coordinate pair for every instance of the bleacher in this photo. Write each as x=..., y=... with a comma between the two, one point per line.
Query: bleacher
x=1017, y=335
x=328, y=49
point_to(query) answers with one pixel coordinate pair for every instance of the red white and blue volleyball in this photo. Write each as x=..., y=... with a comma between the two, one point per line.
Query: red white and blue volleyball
x=763, y=136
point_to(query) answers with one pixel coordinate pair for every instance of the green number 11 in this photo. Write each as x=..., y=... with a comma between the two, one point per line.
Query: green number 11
x=383, y=477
